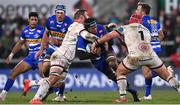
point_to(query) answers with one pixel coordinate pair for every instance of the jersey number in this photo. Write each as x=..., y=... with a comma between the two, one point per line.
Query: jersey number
x=142, y=35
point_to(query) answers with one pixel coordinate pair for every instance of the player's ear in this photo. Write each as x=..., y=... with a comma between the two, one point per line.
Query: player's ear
x=28, y=20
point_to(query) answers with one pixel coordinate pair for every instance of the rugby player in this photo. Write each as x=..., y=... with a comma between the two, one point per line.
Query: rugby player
x=105, y=62
x=140, y=53
x=56, y=28
x=62, y=58
x=31, y=35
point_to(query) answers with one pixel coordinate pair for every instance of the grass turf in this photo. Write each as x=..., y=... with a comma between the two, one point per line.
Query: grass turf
x=97, y=97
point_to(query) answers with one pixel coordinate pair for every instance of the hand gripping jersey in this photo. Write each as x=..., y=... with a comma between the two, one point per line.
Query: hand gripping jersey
x=154, y=28
x=99, y=62
x=58, y=29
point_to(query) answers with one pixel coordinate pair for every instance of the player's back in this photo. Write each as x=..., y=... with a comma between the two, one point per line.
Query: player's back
x=137, y=38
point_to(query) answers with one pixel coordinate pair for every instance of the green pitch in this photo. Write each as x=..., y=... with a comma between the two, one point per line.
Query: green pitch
x=97, y=97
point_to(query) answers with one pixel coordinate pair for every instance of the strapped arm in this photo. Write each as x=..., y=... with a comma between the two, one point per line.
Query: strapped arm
x=88, y=36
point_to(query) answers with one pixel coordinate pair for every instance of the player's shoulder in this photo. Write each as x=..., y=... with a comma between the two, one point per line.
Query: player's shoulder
x=26, y=28
x=100, y=26
x=39, y=27
x=68, y=19
x=53, y=17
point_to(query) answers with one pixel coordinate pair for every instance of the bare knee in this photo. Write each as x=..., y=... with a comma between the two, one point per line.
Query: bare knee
x=146, y=72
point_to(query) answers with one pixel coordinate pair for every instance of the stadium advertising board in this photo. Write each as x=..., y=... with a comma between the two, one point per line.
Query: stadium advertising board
x=23, y=7
x=87, y=79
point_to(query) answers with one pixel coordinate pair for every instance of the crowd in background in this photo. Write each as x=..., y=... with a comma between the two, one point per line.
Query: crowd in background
x=10, y=29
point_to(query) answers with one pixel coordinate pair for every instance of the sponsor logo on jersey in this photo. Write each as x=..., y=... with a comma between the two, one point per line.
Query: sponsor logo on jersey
x=152, y=21
x=57, y=34
x=33, y=41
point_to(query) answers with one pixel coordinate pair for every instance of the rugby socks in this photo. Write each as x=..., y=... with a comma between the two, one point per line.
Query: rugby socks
x=56, y=90
x=154, y=74
x=43, y=89
x=8, y=85
x=174, y=83
x=61, y=89
x=148, y=83
x=122, y=84
x=34, y=83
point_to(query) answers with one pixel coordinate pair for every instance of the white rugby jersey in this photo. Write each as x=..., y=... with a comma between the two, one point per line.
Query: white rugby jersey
x=137, y=39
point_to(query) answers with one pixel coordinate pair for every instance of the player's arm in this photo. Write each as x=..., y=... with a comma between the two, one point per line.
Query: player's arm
x=83, y=55
x=160, y=35
x=88, y=36
x=15, y=49
x=45, y=39
x=44, y=43
x=99, y=42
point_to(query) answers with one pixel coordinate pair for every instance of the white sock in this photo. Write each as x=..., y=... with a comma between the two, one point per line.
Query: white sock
x=43, y=89
x=122, y=84
x=35, y=82
x=4, y=92
x=174, y=83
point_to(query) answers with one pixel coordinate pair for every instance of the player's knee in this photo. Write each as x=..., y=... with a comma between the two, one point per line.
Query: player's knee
x=146, y=72
x=112, y=61
x=113, y=64
x=13, y=74
x=147, y=75
x=58, y=71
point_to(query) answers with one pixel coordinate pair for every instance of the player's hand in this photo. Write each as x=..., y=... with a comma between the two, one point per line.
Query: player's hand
x=94, y=49
x=112, y=25
x=9, y=58
x=38, y=54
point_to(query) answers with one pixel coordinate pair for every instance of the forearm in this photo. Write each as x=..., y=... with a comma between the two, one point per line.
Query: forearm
x=16, y=48
x=108, y=36
x=85, y=55
x=88, y=36
x=45, y=41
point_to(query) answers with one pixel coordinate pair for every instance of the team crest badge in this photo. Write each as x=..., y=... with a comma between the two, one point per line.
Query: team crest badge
x=63, y=30
x=36, y=36
x=39, y=31
x=51, y=22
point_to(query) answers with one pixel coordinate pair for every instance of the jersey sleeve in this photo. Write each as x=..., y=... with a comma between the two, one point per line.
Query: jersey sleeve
x=104, y=31
x=69, y=20
x=81, y=44
x=120, y=30
x=159, y=26
x=42, y=31
x=48, y=23
x=22, y=35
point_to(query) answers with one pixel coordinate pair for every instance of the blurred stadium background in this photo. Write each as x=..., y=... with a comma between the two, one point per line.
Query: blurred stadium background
x=82, y=76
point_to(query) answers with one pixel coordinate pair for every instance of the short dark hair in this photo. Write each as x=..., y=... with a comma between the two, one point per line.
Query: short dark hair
x=78, y=13
x=34, y=14
x=145, y=7
x=89, y=23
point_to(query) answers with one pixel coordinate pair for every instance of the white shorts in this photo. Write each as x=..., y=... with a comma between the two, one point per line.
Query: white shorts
x=153, y=62
x=63, y=57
